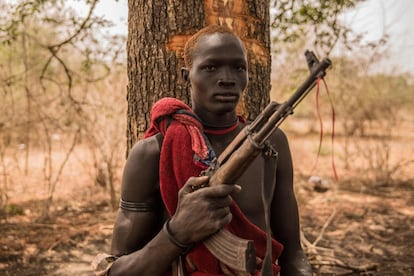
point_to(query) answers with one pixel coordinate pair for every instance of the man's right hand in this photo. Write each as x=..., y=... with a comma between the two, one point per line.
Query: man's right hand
x=202, y=212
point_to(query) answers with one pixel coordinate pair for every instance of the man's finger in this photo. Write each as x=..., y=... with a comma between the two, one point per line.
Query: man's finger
x=220, y=190
x=193, y=183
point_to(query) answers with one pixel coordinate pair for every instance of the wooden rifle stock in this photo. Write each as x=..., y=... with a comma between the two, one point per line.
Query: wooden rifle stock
x=237, y=253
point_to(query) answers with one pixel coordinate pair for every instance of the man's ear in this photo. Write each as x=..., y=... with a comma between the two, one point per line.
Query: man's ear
x=184, y=74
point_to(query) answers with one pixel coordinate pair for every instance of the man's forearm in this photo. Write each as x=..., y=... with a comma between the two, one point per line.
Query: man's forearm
x=155, y=258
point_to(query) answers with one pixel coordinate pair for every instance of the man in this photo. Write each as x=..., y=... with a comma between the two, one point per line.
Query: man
x=155, y=225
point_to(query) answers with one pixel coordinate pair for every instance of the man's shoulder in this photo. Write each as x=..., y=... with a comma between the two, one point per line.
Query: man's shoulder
x=143, y=160
x=147, y=147
x=140, y=176
x=278, y=136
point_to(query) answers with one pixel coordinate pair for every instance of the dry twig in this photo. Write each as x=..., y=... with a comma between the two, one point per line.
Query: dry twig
x=320, y=256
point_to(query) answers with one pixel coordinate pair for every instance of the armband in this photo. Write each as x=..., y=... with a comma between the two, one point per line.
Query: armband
x=138, y=206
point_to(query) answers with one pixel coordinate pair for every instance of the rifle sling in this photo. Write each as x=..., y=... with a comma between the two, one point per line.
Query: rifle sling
x=268, y=187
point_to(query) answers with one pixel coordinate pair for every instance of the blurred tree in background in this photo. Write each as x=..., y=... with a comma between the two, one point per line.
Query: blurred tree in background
x=61, y=85
x=317, y=21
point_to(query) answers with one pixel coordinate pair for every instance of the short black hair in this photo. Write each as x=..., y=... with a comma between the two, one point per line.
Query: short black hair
x=190, y=45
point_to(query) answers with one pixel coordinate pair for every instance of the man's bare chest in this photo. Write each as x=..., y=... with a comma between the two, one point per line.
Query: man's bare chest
x=250, y=198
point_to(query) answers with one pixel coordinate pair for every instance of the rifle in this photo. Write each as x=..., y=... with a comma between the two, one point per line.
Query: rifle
x=235, y=252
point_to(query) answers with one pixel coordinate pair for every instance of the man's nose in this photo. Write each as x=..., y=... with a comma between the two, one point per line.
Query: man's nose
x=226, y=78
x=226, y=83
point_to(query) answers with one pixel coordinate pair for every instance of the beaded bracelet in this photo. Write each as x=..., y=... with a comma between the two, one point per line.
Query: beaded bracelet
x=172, y=239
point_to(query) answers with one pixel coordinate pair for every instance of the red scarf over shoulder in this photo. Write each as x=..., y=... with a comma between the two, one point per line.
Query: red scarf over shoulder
x=184, y=154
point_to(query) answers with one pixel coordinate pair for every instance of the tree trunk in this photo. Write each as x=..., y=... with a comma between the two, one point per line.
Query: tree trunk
x=157, y=32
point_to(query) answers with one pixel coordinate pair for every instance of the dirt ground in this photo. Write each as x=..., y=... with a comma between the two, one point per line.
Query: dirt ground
x=349, y=227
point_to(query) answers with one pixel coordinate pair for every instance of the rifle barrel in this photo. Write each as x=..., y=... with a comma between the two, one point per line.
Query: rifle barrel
x=284, y=110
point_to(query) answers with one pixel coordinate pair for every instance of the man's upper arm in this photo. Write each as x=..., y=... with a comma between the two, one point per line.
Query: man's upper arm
x=285, y=218
x=133, y=229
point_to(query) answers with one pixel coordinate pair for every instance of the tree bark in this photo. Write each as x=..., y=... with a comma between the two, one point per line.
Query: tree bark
x=157, y=32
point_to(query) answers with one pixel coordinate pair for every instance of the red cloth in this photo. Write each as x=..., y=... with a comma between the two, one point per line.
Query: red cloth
x=168, y=107
x=177, y=164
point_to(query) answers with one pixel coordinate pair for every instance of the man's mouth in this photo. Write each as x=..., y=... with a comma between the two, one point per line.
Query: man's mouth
x=226, y=97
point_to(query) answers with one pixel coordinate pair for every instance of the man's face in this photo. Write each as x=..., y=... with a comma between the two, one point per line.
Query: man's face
x=218, y=75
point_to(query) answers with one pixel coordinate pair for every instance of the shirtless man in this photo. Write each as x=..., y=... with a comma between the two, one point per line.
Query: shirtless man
x=217, y=75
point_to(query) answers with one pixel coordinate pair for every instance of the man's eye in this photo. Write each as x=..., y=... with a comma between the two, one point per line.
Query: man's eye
x=209, y=67
x=241, y=68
